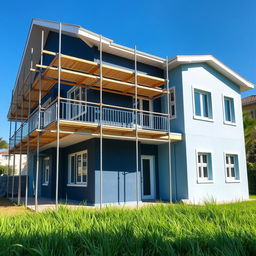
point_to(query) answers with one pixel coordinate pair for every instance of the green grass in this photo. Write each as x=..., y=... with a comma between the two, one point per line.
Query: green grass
x=153, y=230
x=252, y=196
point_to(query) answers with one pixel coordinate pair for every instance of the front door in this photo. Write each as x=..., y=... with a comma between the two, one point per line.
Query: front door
x=148, y=177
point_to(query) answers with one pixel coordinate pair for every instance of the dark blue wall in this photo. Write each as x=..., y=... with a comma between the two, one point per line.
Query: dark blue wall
x=77, y=48
x=119, y=171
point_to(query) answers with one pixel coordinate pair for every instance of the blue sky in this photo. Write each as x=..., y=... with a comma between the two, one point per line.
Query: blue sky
x=224, y=28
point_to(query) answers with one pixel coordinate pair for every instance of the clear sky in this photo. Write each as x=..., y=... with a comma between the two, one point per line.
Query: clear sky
x=224, y=28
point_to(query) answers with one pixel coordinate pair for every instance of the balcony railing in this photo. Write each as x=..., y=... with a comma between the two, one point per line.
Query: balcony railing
x=89, y=113
x=111, y=116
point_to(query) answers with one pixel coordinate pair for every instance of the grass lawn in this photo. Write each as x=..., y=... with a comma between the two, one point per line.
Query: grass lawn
x=252, y=196
x=9, y=209
x=161, y=229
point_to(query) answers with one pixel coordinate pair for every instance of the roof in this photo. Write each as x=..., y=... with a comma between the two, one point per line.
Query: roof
x=214, y=63
x=108, y=45
x=5, y=152
x=249, y=100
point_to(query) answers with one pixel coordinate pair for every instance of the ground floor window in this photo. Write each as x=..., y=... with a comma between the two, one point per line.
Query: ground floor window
x=78, y=173
x=46, y=170
x=204, y=167
x=232, y=169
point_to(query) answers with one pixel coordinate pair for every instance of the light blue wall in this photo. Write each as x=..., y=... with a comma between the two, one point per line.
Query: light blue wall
x=215, y=137
x=178, y=150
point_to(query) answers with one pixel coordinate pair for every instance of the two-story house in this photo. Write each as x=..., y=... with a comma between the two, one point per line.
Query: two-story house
x=117, y=125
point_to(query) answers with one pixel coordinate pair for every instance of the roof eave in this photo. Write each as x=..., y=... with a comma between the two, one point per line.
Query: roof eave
x=216, y=64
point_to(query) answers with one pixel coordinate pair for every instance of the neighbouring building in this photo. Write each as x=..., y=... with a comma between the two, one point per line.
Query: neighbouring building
x=249, y=105
x=4, y=161
x=132, y=126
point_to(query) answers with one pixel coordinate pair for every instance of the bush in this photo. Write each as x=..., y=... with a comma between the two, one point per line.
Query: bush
x=251, y=169
x=4, y=170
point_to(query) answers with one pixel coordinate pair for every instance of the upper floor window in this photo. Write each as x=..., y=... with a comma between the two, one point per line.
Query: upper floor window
x=204, y=167
x=172, y=103
x=78, y=168
x=232, y=168
x=229, y=110
x=46, y=170
x=202, y=104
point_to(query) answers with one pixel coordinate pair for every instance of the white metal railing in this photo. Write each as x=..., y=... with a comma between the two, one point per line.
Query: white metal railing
x=82, y=112
x=111, y=116
x=49, y=115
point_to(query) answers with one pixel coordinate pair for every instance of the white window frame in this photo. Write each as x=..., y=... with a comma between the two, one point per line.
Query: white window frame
x=208, y=119
x=173, y=103
x=224, y=112
x=140, y=101
x=46, y=177
x=77, y=183
x=77, y=103
x=200, y=179
x=237, y=171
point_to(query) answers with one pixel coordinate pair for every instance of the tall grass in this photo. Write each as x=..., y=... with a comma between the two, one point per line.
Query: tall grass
x=154, y=230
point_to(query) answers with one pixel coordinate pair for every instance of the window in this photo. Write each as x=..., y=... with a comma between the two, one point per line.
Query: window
x=77, y=109
x=202, y=104
x=232, y=169
x=46, y=170
x=172, y=103
x=78, y=168
x=229, y=111
x=204, y=167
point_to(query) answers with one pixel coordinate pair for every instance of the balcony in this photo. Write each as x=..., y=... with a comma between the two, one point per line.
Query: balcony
x=82, y=116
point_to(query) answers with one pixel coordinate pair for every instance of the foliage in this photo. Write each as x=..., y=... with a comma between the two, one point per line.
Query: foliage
x=163, y=229
x=3, y=169
x=3, y=143
x=249, y=136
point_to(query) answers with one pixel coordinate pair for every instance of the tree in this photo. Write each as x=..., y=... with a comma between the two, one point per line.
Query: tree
x=3, y=143
x=249, y=136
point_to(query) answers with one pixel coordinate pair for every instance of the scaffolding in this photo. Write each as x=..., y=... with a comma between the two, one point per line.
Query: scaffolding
x=37, y=132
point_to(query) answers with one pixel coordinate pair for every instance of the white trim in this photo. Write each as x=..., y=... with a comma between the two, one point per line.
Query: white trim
x=77, y=183
x=231, y=179
x=202, y=118
x=152, y=196
x=216, y=64
x=223, y=110
x=46, y=179
x=204, y=180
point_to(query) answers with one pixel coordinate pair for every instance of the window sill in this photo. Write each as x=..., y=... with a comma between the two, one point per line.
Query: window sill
x=229, y=123
x=232, y=181
x=203, y=118
x=77, y=185
x=205, y=181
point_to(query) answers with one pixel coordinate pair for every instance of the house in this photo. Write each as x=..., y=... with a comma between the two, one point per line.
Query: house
x=4, y=161
x=249, y=105
x=119, y=125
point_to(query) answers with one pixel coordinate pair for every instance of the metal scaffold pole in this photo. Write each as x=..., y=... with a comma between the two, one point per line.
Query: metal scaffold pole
x=9, y=159
x=58, y=122
x=28, y=114
x=39, y=125
x=14, y=149
x=169, y=130
x=136, y=126
x=21, y=137
x=101, y=131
